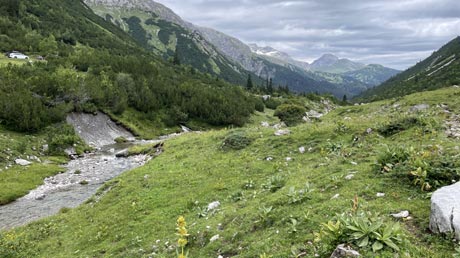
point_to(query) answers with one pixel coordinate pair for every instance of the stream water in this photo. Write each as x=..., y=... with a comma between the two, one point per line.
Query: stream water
x=82, y=178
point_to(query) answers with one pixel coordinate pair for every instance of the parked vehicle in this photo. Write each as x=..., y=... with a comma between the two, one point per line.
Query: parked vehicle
x=17, y=55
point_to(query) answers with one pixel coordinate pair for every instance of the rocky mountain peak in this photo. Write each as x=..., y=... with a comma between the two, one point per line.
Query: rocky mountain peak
x=326, y=59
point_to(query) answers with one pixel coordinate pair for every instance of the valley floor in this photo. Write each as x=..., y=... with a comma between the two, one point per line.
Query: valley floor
x=261, y=210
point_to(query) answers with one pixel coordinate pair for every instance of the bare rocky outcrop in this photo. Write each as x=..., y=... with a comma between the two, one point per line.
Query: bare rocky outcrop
x=97, y=130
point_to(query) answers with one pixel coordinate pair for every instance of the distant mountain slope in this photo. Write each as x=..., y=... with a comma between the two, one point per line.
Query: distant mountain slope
x=441, y=69
x=373, y=74
x=332, y=64
x=268, y=62
x=157, y=28
x=277, y=56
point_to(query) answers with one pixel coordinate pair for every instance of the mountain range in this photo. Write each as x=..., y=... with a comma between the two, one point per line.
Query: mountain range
x=158, y=28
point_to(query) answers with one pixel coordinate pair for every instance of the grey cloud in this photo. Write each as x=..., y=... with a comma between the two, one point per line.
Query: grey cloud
x=396, y=33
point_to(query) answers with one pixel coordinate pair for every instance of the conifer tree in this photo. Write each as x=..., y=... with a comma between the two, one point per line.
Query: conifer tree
x=249, y=84
x=176, y=59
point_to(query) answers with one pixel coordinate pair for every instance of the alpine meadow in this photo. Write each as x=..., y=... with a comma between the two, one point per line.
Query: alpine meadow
x=206, y=128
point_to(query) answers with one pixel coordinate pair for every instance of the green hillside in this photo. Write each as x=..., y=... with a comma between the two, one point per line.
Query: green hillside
x=372, y=74
x=92, y=64
x=441, y=69
x=164, y=38
x=273, y=198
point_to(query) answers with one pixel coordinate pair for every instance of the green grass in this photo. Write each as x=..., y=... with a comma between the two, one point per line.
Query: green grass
x=18, y=181
x=4, y=61
x=135, y=213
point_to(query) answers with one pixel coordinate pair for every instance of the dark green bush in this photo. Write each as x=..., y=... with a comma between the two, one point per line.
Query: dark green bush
x=259, y=105
x=236, y=141
x=272, y=103
x=290, y=114
x=60, y=137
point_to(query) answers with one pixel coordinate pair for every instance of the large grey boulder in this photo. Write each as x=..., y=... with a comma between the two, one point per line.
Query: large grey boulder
x=445, y=210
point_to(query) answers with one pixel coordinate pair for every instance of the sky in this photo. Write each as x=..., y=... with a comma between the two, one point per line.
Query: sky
x=394, y=33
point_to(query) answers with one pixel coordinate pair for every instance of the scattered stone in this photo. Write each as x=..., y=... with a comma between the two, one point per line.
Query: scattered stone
x=353, y=163
x=40, y=197
x=369, y=130
x=335, y=196
x=282, y=132
x=214, y=238
x=344, y=251
x=347, y=118
x=400, y=215
x=380, y=194
x=266, y=97
x=265, y=124
x=45, y=147
x=213, y=205
x=220, y=227
x=122, y=154
x=288, y=159
x=302, y=150
x=314, y=114
x=269, y=159
x=418, y=108
x=279, y=126
x=445, y=210
x=22, y=162
x=349, y=177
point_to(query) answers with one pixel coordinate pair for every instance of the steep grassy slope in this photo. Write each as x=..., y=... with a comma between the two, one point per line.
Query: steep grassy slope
x=372, y=74
x=135, y=214
x=441, y=69
x=164, y=38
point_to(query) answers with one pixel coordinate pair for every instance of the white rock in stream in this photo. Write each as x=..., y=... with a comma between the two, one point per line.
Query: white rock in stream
x=445, y=210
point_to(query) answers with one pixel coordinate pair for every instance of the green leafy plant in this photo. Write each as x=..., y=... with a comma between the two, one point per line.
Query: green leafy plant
x=391, y=156
x=420, y=178
x=265, y=216
x=249, y=184
x=365, y=230
x=298, y=196
x=275, y=183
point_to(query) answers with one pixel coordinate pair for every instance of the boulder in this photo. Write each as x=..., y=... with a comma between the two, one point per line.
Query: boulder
x=22, y=162
x=344, y=251
x=282, y=132
x=445, y=210
x=420, y=107
x=213, y=205
x=122, y=154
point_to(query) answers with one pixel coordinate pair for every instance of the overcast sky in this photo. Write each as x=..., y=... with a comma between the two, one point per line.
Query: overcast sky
x=395, y=33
